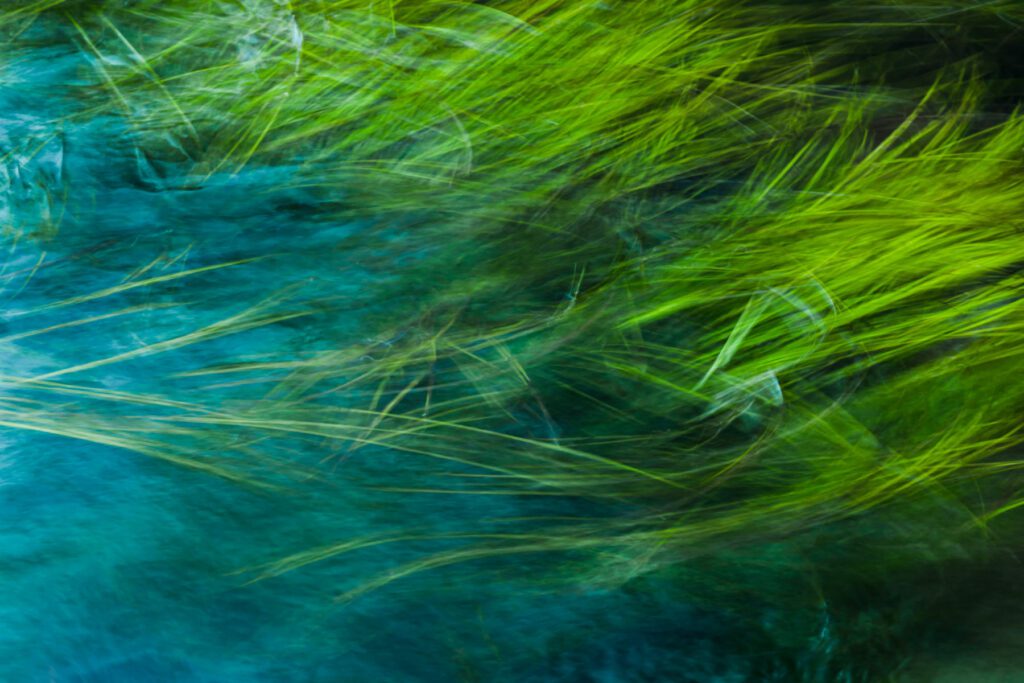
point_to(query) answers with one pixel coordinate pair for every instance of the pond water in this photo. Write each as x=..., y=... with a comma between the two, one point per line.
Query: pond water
x=115, y=566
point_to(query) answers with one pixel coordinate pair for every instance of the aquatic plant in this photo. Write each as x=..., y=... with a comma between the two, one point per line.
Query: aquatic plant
x=701, y=285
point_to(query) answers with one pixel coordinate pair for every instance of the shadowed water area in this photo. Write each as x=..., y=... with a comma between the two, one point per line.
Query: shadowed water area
x=118, y=567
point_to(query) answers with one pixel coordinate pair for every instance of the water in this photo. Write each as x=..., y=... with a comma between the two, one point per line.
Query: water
x=119, y=567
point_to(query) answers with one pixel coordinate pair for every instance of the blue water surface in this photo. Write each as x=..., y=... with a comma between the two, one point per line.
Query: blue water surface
x=115, y=566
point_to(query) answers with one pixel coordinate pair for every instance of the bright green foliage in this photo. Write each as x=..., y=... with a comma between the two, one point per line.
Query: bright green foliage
x=735, y=269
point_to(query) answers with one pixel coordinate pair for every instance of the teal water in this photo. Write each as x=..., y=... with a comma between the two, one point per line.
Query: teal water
x=119, y=567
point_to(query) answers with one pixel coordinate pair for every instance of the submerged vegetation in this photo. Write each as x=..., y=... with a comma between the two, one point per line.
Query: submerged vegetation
x=728, y=292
